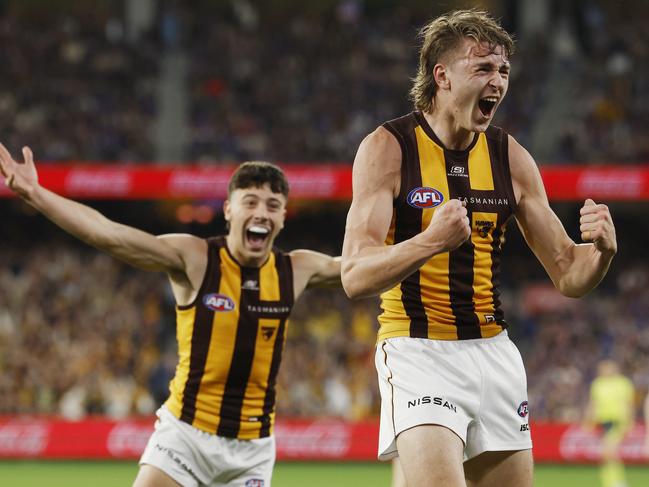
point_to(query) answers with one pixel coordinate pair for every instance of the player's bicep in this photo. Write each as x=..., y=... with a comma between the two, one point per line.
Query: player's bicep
x=315, y=269
x=375, y=179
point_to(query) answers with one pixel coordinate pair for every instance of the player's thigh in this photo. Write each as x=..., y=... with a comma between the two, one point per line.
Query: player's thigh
x=150, y=476
x=500, y=468
x=398, y=477
x=431, y=455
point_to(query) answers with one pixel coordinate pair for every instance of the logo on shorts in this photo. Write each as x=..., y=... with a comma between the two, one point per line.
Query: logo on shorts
x=437, y=401
x=522, y=410
x=177, y=459
x=424, y=198
x=218, y=302
x=255, y=483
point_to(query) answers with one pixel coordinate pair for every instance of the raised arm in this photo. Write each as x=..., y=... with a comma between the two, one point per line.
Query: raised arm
x=368, y=265
x=575, y=269
x=135, y=247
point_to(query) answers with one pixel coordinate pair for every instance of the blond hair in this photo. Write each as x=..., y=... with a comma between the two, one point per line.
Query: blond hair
x=442, y=35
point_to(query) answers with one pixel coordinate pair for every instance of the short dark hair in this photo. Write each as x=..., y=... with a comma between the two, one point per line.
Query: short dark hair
x=443, y=34
x=256, y=174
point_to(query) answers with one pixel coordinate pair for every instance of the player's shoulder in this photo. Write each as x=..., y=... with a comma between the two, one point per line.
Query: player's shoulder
x=380, y=140
x=184, y=241
x=382, y=149
x=306, y=257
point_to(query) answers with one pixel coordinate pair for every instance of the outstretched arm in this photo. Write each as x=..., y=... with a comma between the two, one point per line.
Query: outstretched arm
x=133, y=246
x=368, y=265
x=575, y=269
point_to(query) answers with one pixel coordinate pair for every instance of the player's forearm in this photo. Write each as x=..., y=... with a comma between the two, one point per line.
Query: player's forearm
x=87, y=224
x=79, y=220
x=585, y=267
x=373, y=270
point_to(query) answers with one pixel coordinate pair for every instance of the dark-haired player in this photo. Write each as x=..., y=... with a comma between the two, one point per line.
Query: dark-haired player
x=234, y=294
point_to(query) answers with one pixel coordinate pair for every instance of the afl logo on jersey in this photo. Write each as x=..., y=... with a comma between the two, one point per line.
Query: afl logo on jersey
x=218, y=302
x=424, y=198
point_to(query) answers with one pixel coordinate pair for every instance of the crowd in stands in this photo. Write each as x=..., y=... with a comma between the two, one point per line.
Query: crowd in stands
x=310, y=87
x=83, y=334
x=73, y=88
x=609, y=91
x=299, y=83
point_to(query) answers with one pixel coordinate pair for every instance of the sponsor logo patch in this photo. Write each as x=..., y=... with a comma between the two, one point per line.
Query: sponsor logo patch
x=178, y=460
x=523, y=410
x=479, y=200
x=424, y=198
x=251, y=285
x=218, y=302
x=436, y=401
x=458, y=171
x=255, y=483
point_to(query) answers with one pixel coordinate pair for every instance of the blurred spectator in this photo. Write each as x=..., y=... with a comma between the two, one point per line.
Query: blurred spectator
x=82, y=334
x=74, y=88
x=301, y=82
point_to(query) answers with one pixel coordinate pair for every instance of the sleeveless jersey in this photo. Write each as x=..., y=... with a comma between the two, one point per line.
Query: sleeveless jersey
x=230, y=343
x=453, y=296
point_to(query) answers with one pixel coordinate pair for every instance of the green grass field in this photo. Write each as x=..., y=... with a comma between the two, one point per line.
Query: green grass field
x=105, y=474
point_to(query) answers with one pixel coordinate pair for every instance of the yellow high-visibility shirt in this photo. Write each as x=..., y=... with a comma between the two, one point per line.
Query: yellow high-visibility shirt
x=612, y=398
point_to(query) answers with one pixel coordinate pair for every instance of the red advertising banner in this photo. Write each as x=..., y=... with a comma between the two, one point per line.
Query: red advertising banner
x=181, y=182
x=309, y=182
x=296, y=440
x=602, y=183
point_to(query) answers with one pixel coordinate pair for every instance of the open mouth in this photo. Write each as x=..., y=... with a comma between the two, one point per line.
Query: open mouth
x=487, y=105
x=256, y=236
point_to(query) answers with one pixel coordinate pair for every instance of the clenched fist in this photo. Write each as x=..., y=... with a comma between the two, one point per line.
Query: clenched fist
x=450, y=225
x=596, y=225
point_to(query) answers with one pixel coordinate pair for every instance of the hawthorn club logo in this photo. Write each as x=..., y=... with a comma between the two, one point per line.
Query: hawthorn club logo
x=267, y=332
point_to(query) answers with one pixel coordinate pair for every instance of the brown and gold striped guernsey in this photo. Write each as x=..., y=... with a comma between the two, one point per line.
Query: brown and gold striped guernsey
x=453, y=296
x=230, y=343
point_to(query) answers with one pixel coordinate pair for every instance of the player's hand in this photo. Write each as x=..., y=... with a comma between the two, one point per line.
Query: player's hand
x=450, y=225
x=596, y=225
x=20, y=177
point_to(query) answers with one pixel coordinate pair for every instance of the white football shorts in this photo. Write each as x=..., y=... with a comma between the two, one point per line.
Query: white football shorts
x=193, y=457
x=476, y=388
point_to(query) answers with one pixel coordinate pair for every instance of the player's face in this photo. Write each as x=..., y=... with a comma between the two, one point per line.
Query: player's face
x=478, y=78
x=256, y=216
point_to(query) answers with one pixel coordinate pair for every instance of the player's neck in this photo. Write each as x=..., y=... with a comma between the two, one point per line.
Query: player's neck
x=448, y=130
x=243, y=258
